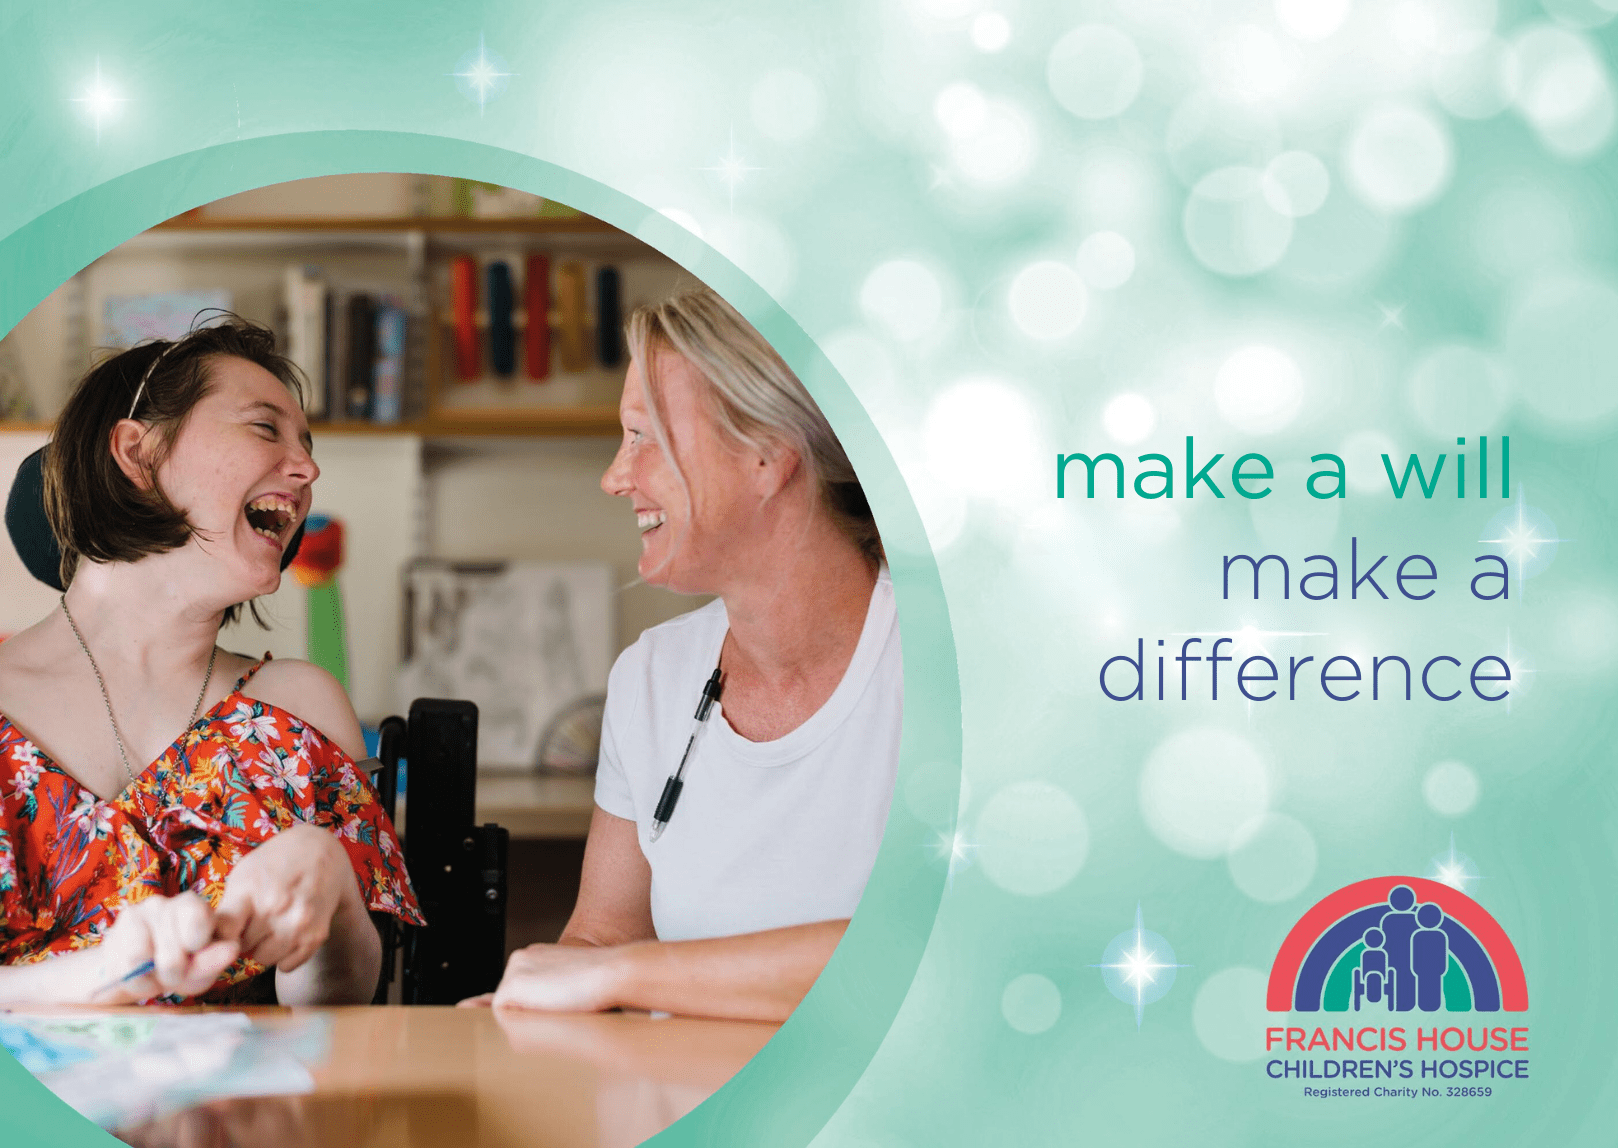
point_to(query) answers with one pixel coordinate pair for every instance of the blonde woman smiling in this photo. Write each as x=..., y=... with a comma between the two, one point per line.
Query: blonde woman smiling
x=740, y=490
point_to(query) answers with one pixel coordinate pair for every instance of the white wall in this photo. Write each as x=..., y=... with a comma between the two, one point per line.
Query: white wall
x=23, y=601
x=372, y=483
x=525, y=499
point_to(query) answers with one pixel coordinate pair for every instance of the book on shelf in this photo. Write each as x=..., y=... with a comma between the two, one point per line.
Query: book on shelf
x=307, y=323
x=361, y=374
x=388, y=370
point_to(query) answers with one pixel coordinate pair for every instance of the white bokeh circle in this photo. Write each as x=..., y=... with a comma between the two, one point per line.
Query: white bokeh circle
x=1031, y=1003
x=1311, y=19
x=1259, y=389
x=1586, y=630
x=1129, y=418
x=1451, y=788
x=1200, y=787
x=1481, y=83
x=1455, y=385
x=904, y=297
x=1095, y=71
x=991, y=31
x=1106, y=260
x=999, y=150
x=1296, y=183
x=1399, y=157
x=1230, y=224
x=1031, y=838
x=1564, y=90
x=1047, y=300
x=981, y=440
x=1205, y=134
x=1249, y=64
x=1444, y=27
x=1229, y=1015
x=1561, y=345
x=1274, y=859
x=960, y=108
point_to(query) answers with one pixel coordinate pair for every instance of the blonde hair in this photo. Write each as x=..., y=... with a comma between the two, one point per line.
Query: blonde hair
x=753, y=396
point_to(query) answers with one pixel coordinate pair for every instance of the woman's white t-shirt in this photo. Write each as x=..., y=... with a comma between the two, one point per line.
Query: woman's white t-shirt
x=766, y=834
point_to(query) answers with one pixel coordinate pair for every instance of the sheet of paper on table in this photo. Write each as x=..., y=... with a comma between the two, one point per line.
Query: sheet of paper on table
x=121, y=1068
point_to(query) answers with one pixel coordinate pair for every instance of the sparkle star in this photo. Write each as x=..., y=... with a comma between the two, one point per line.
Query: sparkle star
x=1521, y=540
x=481, y=75
x=1454, y=869
x=953, y=847
x=1391, y=316
x=1143, y=965
x=732, y=169
x=1519, y=666
x=101, y=101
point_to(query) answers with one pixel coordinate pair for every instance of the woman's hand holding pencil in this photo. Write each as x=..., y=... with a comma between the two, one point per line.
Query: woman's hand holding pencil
x=162, y=945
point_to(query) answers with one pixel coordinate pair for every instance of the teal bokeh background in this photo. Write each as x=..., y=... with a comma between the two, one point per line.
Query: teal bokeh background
x=988, y=232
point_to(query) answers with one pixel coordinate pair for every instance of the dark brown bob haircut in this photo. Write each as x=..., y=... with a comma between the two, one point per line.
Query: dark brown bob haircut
x=94, y=509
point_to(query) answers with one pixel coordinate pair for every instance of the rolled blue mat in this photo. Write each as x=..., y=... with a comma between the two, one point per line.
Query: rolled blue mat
x=502, y=333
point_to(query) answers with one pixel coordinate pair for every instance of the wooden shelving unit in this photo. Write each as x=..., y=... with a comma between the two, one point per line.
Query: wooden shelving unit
x=534, y=422
x=449, y=225
x=520, y=421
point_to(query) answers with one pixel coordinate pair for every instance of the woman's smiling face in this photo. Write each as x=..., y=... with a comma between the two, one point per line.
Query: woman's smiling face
x=687, y=529
x=241, y=470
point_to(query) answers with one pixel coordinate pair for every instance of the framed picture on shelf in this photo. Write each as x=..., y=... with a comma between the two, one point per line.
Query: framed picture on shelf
x=529, y=642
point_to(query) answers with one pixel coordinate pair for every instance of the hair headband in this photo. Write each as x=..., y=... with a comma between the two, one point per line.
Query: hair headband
x=140, y=390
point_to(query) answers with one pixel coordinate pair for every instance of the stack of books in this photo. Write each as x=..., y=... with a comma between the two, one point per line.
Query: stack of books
x=355, y=349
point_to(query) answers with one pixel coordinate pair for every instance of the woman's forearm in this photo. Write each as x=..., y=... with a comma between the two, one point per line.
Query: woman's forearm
x=342, y=971
x=755, y=976
x=57, y=980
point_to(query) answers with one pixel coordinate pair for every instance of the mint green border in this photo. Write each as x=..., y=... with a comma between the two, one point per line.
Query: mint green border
x=785, y=1095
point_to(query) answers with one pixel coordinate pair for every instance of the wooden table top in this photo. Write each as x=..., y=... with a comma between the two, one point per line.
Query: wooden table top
x=395, y=1077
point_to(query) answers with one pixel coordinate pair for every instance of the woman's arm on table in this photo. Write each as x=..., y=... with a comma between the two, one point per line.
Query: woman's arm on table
x=296, y=905
x=608, y=956
x=615, y=887
x=176, y=934
x=754, y=976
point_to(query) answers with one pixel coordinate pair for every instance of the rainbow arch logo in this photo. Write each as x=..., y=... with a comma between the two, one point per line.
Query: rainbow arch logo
x=1397, y=944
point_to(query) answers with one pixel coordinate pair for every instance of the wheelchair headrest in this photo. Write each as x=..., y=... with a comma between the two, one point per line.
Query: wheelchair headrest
x=31, y=533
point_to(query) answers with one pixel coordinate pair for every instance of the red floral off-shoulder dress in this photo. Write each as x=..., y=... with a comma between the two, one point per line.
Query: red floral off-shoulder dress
x=246, y=770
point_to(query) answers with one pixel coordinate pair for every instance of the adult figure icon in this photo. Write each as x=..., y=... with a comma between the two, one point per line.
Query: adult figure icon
x=1398, y=925
x=1429, y=957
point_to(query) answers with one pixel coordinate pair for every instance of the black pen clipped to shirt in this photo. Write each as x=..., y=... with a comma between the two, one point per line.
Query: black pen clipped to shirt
x=676, y=782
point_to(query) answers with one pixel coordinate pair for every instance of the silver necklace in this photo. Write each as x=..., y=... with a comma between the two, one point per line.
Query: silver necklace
x=112, y=721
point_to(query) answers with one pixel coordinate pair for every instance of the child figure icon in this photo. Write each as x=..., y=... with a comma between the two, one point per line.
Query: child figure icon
x=1373, y=979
